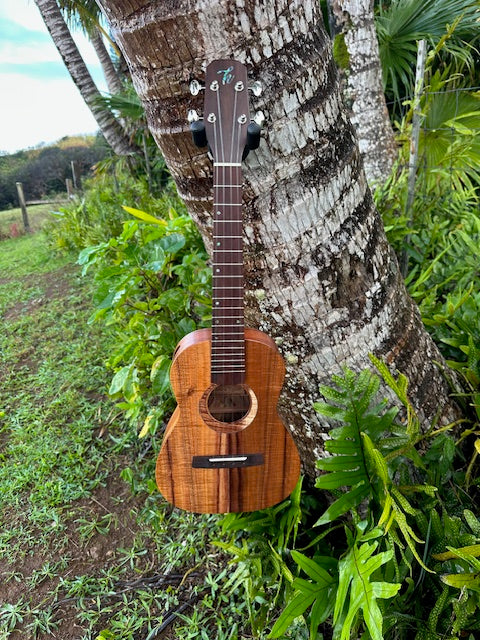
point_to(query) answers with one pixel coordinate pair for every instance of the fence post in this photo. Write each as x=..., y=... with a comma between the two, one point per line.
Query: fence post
x=69, y=185
x=77, y=175
x=413, y=159
x=23, y=206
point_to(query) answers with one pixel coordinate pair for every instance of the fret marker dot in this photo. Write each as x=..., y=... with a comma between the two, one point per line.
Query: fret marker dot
x=217, y=303
x=219, y=213
x=219, y=244
x=217, y=270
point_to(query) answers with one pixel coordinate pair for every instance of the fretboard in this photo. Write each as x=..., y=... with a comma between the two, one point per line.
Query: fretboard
x=228, y=342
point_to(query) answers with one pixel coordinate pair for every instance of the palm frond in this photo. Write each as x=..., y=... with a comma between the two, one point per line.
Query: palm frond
x=403, y=22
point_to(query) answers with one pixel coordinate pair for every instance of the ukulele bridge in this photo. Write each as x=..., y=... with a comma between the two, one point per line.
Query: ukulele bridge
x=227, y=461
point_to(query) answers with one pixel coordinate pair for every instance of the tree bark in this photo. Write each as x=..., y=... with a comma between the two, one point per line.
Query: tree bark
x=321, y=276
x=354, y=20
x=109, y=126
x=112, y=78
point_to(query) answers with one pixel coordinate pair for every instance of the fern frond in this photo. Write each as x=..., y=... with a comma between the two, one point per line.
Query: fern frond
x=356, y=592
x=400, y=387
x=358, y=414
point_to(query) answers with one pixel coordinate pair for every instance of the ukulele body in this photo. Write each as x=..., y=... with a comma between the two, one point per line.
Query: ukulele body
x=209, y=466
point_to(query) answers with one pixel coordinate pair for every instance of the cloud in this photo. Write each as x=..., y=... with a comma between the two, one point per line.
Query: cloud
x=39, y=99
x=23, y=13
x=42, y=110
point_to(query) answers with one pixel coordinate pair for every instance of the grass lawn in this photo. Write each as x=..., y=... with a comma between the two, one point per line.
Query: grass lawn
x=11, y=223
x=88, y=547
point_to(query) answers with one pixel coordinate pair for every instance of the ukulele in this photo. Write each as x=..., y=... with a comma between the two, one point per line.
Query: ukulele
x=225, y=448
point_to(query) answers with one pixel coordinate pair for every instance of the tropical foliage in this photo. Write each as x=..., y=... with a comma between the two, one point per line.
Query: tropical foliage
x=387, y=542
x=401, y=23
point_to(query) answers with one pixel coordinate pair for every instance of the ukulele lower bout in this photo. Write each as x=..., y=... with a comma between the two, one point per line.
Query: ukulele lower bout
x=226, y=448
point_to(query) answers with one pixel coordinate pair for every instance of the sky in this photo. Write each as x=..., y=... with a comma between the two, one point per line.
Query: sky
x=38, y=100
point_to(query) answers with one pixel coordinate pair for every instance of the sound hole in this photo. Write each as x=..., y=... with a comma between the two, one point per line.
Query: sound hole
x=229, y=403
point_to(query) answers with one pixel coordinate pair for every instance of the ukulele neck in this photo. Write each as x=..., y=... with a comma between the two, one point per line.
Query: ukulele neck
x=228, y=341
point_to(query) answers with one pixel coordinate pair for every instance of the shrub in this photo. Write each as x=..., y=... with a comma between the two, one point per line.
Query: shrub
x=152, y=287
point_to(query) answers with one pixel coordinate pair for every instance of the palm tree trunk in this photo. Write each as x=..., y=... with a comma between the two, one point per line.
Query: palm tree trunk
x=321, y=276
x=73, y=60
x=114, y=83
x=354, y=21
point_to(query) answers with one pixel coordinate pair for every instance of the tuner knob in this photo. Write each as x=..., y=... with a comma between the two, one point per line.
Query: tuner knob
x=256, y=88
x=195, y=87
x=192, y=116
x=259, y=118
x=199, y=136
x=253, y=136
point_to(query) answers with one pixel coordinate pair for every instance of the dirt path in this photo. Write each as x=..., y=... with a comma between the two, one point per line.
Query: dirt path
x=80, y=551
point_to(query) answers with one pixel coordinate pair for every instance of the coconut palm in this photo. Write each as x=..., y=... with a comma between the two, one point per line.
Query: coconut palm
x=85, y=15
x=320, y=274
x=62, y=38
x=354, y=23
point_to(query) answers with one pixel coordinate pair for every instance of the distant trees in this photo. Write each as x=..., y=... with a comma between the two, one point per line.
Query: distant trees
x=43, y=171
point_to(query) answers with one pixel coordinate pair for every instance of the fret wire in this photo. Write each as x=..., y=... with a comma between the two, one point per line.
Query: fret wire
x=228, y=339
x=226, y=346
x=219, y=368
x=228, y=364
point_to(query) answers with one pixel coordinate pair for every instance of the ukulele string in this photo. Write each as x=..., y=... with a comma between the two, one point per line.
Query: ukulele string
x=234, y=158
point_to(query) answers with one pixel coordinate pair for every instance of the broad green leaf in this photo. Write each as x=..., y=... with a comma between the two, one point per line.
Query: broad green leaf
x=143, y=215
x=295, y=608
x=354, y=573
x=172, y=243
x=159, y=375
x=146, y=425
x=462, y=580
x=343, y=504
x=471, y=550
x=312, y=569
x=339, y=479
x=119, y=380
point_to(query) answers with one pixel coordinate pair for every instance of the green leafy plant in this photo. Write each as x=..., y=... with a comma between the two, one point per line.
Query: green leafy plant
x=355, y=572
x=400, y=23
x=152, y=287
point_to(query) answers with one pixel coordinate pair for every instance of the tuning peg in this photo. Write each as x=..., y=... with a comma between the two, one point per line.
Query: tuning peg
x=259, y=118
x=195, y=87
x=256, y=88
x=192, y=116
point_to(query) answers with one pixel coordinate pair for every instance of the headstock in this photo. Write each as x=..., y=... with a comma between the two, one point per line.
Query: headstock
x=226, y=126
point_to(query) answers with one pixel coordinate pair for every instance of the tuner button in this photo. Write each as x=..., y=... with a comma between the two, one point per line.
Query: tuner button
x=192, y=116
x=195, y=87
x=199, y=136
x=259, y=118
x=256, y=88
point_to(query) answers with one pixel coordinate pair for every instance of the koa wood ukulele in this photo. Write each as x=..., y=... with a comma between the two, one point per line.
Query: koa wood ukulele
x=225, y=448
